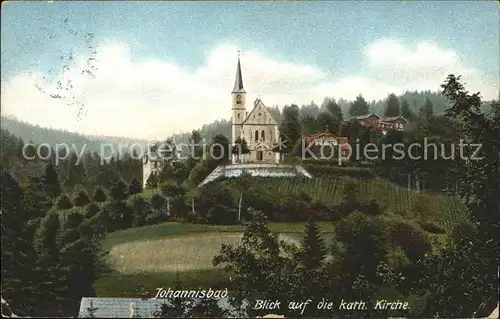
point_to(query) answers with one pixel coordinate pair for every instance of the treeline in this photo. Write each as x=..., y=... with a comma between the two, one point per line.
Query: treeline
x=84, y=171
x=36, y=134
x=49, y=259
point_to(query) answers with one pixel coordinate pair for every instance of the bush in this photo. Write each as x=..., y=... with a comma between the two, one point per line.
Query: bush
x=413, y=242
x=372, y=208
x=464, y=232
x=431, y=227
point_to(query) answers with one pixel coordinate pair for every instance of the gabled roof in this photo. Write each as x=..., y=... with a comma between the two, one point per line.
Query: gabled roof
x=365, y=116
x=258, y=104
x=238, y=82
x=309, y=139
x=393, y=118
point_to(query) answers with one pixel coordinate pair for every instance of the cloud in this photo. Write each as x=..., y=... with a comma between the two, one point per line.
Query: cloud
x=151, y=99
x=422, y=67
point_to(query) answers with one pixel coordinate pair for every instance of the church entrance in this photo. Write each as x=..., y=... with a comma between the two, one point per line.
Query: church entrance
x=260, y=156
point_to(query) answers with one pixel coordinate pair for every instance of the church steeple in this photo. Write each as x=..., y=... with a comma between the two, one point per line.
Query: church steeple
x=238, y=83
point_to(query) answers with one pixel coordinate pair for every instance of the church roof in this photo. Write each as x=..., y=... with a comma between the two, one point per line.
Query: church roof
x=238, y=82
x=259, y=105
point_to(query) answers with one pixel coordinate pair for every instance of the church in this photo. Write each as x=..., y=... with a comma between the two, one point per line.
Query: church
x=260, y=131
x=257, y=127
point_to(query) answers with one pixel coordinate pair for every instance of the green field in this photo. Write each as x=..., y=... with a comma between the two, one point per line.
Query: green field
x=148, y=257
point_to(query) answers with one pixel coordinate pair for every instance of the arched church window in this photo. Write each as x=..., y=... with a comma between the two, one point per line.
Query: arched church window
x=238, y=116
x=238, y=99
x=263, y=135
x=256, y=136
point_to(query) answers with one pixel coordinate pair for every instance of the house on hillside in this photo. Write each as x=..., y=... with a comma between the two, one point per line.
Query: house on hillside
x=153, y=160
x=326, y=138
x=382, y=124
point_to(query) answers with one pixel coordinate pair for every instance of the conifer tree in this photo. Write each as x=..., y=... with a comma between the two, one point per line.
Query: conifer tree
x=313, y=248
x=335, y=110
x=81, y=199
x=51, y=182
x=63, y=202
x=359, y=107
x=393, y=108
x=406, y=112
x=99, y=196
x=134, y=187
x=17, y=247
x=119, y=191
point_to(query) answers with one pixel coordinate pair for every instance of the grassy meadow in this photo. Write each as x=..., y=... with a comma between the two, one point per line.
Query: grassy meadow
x=144, y=258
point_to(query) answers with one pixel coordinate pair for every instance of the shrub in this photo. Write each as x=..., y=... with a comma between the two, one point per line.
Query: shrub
x=413, y=242
x=372, y=208
x=431, y=227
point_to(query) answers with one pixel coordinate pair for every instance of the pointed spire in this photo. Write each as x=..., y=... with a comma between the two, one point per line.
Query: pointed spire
x=238, y=83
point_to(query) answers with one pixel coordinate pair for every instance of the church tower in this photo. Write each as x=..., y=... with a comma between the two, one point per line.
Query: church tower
x=238, y=108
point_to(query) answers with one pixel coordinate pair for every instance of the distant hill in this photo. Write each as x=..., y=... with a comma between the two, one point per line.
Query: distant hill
x=37, y=134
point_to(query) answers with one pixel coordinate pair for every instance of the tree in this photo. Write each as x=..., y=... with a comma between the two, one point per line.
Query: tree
x=406, y=112
x=99, y=196
x=413, y=241
x=195, y=150
x=17, y=251
x=63, y=202
x=290, y=127
x=119, y=191
x=334, y=108
x=427, y=111
x=177, y=308
x=310, y=125
x=328, y=123
x=393, y=108
x=364, y=242
x=313, y=248
x=350, y=197
x=240, y=147
x=81, y=199
x=51, y=182
x=200, y=172
x=207, y=308
x=157, y=201
x=359, y=107
x=141, y=209
x=257, y=267
x=134, y=187
x=153, y=180
x=91, y=210
x=219, y=150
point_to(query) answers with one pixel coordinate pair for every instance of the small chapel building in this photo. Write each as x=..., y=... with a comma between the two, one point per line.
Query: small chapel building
x=257, y=127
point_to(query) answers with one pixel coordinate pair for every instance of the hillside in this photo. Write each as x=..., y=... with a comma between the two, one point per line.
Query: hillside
x=37, y=134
